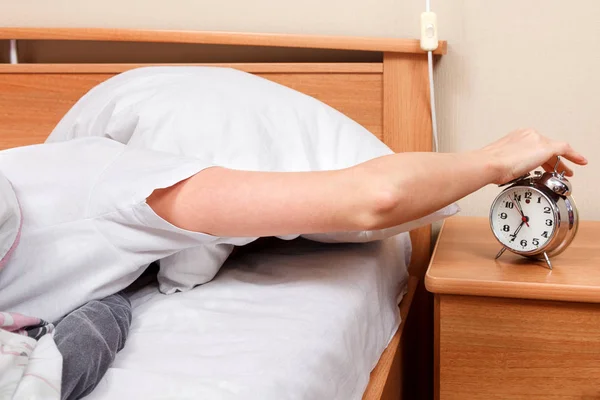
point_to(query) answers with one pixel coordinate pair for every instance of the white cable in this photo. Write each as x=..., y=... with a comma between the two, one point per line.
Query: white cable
x=14, y=58
x=432, y=99
x=431, y=90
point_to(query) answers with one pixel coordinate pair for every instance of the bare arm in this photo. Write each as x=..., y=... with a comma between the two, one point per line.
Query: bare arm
x=380, y=193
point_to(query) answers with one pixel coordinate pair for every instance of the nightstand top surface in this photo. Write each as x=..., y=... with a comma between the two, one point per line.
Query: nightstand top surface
x=463, y=263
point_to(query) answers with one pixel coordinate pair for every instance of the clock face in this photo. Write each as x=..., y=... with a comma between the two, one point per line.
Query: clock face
x=523, y=219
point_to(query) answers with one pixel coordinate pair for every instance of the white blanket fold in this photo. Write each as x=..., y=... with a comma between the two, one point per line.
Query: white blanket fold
x=29, y=369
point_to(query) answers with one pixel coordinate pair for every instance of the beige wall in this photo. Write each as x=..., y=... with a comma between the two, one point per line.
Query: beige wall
x=516, y=63
x=344, y=17
x=511, y=63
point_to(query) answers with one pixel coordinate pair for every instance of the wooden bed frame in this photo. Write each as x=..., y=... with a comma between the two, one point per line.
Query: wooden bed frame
x=381, y=83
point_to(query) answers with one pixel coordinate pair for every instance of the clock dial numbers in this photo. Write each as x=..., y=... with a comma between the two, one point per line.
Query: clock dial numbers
x=522, y=219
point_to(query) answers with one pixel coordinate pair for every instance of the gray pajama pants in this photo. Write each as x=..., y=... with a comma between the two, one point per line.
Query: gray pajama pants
x=89, y=339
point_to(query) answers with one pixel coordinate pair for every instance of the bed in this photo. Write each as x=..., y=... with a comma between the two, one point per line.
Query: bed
x=379, y=82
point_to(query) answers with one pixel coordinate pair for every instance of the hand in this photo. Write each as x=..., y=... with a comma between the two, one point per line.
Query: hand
x=524, y=150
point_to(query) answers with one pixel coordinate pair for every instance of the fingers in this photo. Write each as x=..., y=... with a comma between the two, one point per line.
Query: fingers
x=565, y=150
x=521, y=151
x=549, y=167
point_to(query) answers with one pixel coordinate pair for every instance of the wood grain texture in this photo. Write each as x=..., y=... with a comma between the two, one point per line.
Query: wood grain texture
x=492, y=348
x=359, y=96
x=32, y=104
x=387, y=378
x=283, y=68
x=100, y=52
x=227, y=38
x=4, y=51
x=407, y=113
x=464, y=264
x=407, y=128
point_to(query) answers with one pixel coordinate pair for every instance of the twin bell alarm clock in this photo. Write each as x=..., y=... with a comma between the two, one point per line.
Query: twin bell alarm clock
x=535, y=216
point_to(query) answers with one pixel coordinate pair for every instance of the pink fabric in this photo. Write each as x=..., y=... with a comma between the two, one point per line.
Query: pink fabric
x=16, y=323
x=20, y=324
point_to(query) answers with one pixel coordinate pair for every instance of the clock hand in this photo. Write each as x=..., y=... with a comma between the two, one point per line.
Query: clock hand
x=514, y=235
x=518, y=205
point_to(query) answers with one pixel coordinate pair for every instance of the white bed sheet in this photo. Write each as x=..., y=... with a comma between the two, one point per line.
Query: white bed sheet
x=302, y=320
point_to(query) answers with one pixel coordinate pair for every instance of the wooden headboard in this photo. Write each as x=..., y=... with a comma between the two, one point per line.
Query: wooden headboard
x=380, y=83
x=386, y=93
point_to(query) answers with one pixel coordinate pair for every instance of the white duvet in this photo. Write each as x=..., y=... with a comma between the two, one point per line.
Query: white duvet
x=302, y=320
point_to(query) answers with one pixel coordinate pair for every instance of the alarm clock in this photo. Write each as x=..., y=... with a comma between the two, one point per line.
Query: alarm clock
x=535, y=215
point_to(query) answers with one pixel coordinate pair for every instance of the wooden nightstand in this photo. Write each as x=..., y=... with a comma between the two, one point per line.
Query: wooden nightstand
x=511, y=328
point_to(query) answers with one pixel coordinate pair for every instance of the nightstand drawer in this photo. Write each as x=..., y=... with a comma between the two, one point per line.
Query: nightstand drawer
x=497, y=348
x=511, y=328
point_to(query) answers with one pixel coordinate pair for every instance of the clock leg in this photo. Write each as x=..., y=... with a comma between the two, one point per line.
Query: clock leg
x=502, y=250
x=547, y=260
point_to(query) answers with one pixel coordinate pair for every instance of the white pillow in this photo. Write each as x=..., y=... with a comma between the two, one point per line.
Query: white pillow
x=229, y=118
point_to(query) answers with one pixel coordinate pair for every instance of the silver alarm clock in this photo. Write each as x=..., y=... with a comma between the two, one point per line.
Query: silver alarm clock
x=535, y=215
